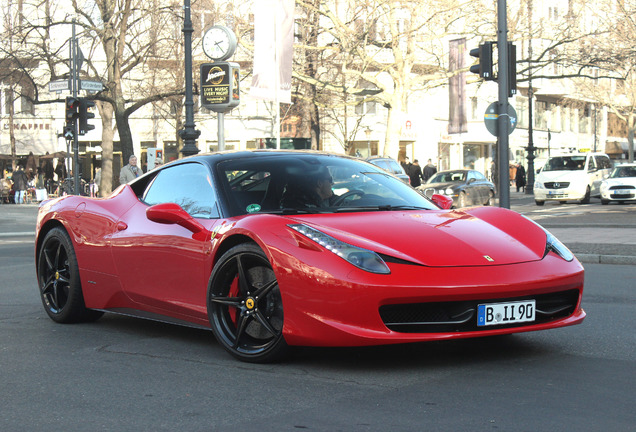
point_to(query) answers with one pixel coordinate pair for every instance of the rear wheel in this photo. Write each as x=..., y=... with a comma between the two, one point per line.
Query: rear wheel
x=59, y=280
x=245, y=306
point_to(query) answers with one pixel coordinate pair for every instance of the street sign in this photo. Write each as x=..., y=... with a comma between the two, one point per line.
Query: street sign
x=491, y=117
x=59, y=86
x=94, y=86
x=220, y=86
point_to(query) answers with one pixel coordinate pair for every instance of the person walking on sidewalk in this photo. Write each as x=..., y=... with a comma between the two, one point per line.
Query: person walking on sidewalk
x=20, y=185
x=130, y=171
x=520, y=177
x=428, y=171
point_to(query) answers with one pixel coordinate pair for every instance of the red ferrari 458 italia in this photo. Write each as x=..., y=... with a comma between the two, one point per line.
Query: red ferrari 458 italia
x=273, y=249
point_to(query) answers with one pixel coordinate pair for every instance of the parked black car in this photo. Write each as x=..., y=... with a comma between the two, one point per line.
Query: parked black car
x=391, y=166
x=466, y=187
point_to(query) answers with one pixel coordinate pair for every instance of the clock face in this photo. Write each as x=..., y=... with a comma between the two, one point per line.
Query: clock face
x=219, y=43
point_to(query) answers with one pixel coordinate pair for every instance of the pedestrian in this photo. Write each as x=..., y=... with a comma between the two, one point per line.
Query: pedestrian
x=60, y=170
x=20, y=185
x=97, y=180
x=130, y=172
x=406, y=164
x=158, y=162
x=415, y=173
x=428, y=171
x=520, y=177
x=47, y=167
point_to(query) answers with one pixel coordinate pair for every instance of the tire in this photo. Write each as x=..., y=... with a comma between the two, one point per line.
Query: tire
x=586, y=198
x=539, y=203
x=59, y=280
x=604, y=201
x=245, y=306
x=462, y=200
x=491, y=195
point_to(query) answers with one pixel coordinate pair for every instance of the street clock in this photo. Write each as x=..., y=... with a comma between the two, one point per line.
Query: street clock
x=219, y=43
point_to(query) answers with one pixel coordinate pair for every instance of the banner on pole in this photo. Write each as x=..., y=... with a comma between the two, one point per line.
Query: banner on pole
x=273, y=50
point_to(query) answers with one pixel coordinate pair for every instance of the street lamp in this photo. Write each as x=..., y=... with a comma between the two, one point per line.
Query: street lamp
x=367, y=132
x=188, y=134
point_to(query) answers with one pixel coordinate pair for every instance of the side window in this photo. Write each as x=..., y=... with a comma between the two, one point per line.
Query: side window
x=189, y=185
x=592, y=165
x=603, y=162
x=471, y=176
x=479, y=176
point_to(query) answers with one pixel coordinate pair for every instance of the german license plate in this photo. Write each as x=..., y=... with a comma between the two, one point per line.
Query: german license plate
x=622, y=192
x=505, y=313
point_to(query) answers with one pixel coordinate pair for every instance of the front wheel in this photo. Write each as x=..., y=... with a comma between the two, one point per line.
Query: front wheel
x=586, y=198
x=604, y=201
x=59, y=280
x=539, y=203
x=245, y=306
x=463, y=200
x=491, y=196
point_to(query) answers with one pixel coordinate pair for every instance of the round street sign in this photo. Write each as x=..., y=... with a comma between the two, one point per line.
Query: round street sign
x=491, y=118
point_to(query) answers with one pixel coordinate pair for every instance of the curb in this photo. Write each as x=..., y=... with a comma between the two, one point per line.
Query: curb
x=606, y=259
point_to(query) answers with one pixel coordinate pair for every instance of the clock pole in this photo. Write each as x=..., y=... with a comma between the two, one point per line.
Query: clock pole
x=188, y=134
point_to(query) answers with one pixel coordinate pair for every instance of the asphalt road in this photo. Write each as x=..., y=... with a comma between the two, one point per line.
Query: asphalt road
x=126, y=374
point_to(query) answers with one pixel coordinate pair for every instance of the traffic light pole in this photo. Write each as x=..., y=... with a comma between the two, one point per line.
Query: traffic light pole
x=74, y=81
x=503, y=119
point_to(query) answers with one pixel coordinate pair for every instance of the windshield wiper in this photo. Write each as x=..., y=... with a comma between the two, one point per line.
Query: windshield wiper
x=292, y=211
x=386, y=207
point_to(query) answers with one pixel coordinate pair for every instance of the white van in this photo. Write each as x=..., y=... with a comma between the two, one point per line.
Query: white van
x=573, y=176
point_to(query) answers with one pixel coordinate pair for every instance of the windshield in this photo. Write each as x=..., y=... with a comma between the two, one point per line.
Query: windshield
x=310, y=183
x=565, y=163
x=624, y=171
x=449, y=177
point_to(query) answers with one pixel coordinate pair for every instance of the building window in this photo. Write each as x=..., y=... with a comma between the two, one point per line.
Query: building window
x=540, y=119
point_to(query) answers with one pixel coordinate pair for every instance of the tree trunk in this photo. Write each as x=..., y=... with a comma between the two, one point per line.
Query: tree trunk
x=106, y=113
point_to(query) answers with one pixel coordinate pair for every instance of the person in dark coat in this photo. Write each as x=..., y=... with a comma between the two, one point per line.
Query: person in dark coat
x=520, y=177
x=20, y=184
x=415, y=173
x=429, y=171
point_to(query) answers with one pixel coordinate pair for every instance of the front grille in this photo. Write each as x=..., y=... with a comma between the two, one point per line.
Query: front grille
x=556, y=185
x=622, y=187
x=461, y=316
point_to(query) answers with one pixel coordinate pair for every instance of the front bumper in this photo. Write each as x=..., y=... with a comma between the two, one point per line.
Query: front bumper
x=323, y=308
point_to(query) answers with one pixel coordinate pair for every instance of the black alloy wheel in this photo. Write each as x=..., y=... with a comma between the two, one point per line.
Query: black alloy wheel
x=59, y=280
x=245, y=306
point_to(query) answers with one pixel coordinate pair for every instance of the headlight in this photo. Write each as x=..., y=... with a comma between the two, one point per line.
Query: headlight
x=604, y=186
x=538, y=185
x=553, y=244
x=362, y=258
x=448, y=191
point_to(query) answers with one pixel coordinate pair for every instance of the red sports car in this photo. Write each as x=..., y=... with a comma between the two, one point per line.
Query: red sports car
x=272, y=249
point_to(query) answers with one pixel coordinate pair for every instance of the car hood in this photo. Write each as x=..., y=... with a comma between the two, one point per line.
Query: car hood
x=560, y=176
x=620, y=181
x=440, y=185
x=480, y=236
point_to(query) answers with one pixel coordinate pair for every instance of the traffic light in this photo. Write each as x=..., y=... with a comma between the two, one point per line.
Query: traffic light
x=85, y=115
x=512, y=69
x=484, y=67
x=72, y=110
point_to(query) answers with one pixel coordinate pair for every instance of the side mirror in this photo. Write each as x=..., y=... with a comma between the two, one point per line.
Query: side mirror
x=442, y=201
x=171, y=213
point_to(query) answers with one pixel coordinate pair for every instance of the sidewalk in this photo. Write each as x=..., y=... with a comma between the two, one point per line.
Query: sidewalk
x=596, y=245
